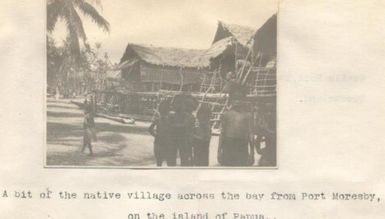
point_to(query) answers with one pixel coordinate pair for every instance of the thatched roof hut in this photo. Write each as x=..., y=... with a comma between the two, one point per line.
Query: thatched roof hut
x=265, y=54
x=240, y=33
x=265, y=41
x=249, y=52
x=238, y=39
x=222, y=55
x=218, y=48
x=231, y=43
x=166, y=56
x=163, y=67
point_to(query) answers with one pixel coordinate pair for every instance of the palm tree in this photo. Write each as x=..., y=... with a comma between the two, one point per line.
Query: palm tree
x=68, y=11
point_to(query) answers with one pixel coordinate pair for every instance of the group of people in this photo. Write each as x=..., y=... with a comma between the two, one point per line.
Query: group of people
x=177, y=131
x=182, y=128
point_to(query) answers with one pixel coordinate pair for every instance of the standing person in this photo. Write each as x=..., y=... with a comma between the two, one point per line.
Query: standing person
x=236, y=141
x=159, y=129
x=202, y=137
x=181, y=125
x=93, y=105
x=259, y=122
x=268, y=130
x=88, y=132
x=190, y=105
x=86, y=105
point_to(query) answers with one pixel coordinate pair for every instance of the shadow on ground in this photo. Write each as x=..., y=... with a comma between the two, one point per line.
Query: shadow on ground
x=64, y=114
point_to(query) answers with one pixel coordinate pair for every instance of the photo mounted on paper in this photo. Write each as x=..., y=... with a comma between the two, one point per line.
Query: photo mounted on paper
x=161, y=84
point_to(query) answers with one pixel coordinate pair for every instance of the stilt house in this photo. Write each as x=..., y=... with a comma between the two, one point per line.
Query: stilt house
x=149, y=69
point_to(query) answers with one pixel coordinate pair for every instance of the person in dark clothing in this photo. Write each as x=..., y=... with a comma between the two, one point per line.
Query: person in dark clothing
x=202, y=137
x=236, y=141
x=92, y=106
x=88, y=106
x=268, y=131
x=88, y=132
x=159, y=129
x=181, y=124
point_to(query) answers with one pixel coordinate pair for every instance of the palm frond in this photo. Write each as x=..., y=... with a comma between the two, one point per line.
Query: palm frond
x=73, y=36
x=54, y=11
x=97, y=3
x=91, y=12
x=69, y=10
x=78, y=24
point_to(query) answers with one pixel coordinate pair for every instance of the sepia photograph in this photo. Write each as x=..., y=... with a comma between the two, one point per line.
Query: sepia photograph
x=161, y=84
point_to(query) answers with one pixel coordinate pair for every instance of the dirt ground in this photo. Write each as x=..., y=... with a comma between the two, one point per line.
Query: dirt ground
x=118, y=145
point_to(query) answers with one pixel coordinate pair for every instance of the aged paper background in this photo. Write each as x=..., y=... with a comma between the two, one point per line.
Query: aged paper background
x=331, y=121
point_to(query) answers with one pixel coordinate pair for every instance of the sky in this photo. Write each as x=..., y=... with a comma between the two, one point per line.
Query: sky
x=171, y=23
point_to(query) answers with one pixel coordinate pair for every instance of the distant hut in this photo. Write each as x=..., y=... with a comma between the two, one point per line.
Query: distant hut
x=112, y=78
x=150, y=69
